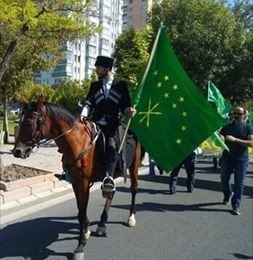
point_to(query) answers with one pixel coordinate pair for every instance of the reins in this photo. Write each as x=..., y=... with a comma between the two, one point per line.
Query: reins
x=92, y=142
x=48, y=141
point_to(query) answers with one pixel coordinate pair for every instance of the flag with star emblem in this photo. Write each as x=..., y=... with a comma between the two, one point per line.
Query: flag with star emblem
x=173, y=117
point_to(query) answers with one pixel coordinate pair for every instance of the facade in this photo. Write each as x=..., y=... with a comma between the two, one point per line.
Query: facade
x=135, y=13
x=81, y=54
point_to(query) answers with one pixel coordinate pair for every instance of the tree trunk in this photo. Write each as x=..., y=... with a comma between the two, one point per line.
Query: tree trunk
x=6, y=59
x=1, y=166
x=5, y=119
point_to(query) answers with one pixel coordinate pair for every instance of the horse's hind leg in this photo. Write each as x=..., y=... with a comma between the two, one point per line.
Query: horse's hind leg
x=133, y=170
x=133, y=189
x=101, y=229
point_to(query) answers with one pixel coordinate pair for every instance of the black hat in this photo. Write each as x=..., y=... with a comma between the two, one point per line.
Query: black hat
x=104, y=61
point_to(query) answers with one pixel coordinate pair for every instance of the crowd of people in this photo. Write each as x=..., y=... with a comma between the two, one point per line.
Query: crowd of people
x=109, y=96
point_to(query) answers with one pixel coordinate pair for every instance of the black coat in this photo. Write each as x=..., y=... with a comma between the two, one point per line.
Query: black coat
x=111, y=107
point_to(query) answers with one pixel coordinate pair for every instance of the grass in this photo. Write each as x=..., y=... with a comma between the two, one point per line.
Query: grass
x=11, y=123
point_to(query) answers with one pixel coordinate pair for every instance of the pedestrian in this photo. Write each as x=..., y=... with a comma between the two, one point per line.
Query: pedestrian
x=238, y=136
x=152, y=165
x=189, y=165
x=107, y=98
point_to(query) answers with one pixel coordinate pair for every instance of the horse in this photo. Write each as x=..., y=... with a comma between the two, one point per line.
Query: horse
x=43, y=122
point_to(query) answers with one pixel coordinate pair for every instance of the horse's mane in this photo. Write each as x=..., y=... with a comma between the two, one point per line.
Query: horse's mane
x=59, y=112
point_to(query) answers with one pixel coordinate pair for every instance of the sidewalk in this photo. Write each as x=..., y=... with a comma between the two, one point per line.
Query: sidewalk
x=26, y=191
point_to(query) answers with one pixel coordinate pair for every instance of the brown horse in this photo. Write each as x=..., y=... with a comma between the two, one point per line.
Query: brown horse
x=81, y=155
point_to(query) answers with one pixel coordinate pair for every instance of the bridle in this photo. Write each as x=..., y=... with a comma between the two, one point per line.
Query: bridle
x=38, y=135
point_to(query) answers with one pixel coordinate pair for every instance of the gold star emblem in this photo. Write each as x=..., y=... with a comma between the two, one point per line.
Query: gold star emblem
x=181, y=99
x=175, y=87
x=178, y=141
x=174, y=105
x=147, y=114
x=184, y=113
x=159, y=84
x=155, y=73
x=166, y=78
x=166, y=95
x=183, y=128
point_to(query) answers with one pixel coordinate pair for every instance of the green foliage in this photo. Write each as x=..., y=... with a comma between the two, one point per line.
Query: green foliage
x=71, y=95
x=36, y=32
x=31, y=92
x=132, y=53
x=201, y=44
x=216, y=49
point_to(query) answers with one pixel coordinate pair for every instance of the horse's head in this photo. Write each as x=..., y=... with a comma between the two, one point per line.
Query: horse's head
x=31, y=128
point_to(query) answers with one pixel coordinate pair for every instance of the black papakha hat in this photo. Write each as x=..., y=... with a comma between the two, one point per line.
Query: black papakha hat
x=104, y=61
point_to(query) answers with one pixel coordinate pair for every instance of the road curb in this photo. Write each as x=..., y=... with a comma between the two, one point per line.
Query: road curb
x=19, y=208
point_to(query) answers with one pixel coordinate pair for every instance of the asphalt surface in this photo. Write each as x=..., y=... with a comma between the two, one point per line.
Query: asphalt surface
x=182, y=226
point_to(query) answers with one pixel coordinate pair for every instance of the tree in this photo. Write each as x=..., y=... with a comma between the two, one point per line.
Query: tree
x=209, y=49
x=32, y=31
x=132, y=53
x=48, y=24
x=239, y=80
x=71, y=95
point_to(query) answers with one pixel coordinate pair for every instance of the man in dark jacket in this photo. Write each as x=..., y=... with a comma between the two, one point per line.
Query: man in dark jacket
x=238, y=136
x=106, y=100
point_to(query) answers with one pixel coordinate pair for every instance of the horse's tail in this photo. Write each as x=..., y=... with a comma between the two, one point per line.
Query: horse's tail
x=142, y=153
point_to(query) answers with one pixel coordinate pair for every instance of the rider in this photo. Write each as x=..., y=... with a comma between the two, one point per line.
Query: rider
x=106, y=99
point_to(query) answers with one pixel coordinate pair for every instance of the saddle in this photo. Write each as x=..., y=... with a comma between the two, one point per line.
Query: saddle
x=126, y=155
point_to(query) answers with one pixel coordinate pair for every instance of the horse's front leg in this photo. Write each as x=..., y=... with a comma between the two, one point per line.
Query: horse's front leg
x=133, y=170
x=101, y=228
x=82, y=197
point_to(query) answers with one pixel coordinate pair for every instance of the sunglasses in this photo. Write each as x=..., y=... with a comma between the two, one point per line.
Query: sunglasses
x=239, y=114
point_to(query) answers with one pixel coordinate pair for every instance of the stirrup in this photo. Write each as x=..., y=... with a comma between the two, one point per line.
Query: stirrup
x=108, y=187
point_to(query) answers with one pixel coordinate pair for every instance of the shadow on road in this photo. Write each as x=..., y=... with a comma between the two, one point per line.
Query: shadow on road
x=31, y=239
x=199, y=184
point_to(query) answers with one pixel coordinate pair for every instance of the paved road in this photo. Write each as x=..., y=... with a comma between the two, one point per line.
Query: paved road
x=177, y=227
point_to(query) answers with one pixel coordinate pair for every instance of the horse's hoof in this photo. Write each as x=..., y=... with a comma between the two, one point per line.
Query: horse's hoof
x=78, y=256
x=101, y=231
x=131, y=221
x=87, y=234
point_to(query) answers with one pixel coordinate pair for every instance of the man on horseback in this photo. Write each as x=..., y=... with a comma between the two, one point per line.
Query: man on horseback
x=106, y=100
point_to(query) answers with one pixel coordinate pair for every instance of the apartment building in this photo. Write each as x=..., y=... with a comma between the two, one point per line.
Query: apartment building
x=80, y=55
x=135, y=13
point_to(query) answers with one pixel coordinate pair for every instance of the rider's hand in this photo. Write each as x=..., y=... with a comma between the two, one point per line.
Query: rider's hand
x=131, y=111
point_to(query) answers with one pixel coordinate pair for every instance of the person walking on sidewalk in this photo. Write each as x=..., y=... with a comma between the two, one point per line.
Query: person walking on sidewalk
x=106, y=100
x=238, y=135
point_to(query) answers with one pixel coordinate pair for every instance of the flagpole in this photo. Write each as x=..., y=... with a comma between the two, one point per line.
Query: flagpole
x=136, y=101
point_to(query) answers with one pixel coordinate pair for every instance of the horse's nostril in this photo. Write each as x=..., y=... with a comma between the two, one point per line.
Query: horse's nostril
x=17, y=153
x=28, y=151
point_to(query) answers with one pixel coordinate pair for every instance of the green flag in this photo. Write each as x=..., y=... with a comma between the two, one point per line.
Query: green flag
x=173, y=117
x=223, y=108
x=214, y=95
x=251, y=117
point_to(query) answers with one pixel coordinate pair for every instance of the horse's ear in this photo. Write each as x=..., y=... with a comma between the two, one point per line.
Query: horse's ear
x=40, y=102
